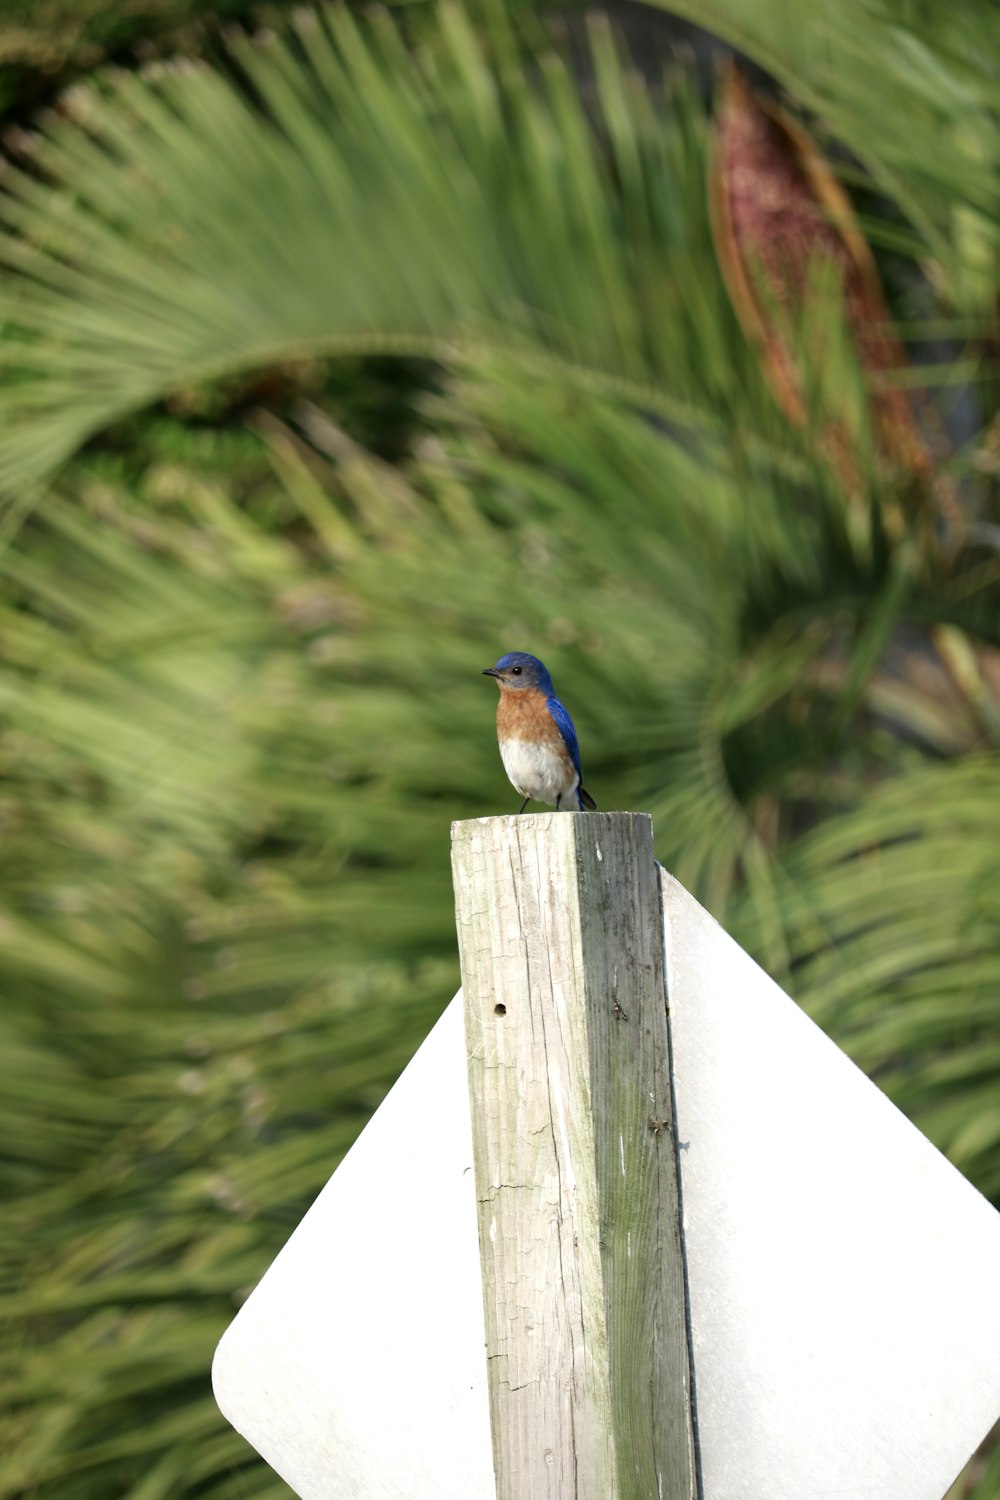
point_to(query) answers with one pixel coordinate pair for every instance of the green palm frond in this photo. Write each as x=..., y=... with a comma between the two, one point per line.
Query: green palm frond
x=897, y=953
x=345, y=195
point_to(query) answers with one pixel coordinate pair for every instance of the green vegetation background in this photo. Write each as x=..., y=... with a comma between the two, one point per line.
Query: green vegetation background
x=338, y=357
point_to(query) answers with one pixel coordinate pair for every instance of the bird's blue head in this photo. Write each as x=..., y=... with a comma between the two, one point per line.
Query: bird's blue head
x=519, y=670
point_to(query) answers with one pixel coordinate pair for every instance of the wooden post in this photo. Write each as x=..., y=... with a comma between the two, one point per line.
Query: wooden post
x=560, y=928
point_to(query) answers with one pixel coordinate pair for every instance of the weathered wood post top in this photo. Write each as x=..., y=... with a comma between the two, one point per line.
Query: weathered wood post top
x=560, y=928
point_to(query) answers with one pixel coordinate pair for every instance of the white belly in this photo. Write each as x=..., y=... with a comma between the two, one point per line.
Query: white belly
x=539, y=773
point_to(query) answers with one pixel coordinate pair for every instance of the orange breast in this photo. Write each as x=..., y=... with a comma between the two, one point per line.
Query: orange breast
x=522, y=715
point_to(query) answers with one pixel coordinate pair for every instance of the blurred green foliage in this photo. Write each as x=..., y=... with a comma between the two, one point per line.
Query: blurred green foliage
x=328, y=375
x=45, y=44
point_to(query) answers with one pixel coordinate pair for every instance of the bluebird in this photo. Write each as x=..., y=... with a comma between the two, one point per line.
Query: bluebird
x=538, y=743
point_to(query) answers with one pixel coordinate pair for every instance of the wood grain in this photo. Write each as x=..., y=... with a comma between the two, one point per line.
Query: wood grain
x=561, y=939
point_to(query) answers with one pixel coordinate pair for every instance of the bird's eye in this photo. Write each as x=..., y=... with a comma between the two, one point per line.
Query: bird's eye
x=515, y=671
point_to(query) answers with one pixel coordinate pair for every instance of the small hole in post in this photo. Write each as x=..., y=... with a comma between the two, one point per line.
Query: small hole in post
x=499, y=1010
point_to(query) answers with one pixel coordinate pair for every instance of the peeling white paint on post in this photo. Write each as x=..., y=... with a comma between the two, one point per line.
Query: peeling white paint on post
x=560, y=932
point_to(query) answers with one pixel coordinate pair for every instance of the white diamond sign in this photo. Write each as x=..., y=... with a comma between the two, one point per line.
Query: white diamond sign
x=844, y=1278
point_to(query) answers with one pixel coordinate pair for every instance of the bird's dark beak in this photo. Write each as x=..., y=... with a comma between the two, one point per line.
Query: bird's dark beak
x=489, y=672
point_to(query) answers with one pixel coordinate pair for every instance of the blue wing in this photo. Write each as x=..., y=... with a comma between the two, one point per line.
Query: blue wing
x=565, y=726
